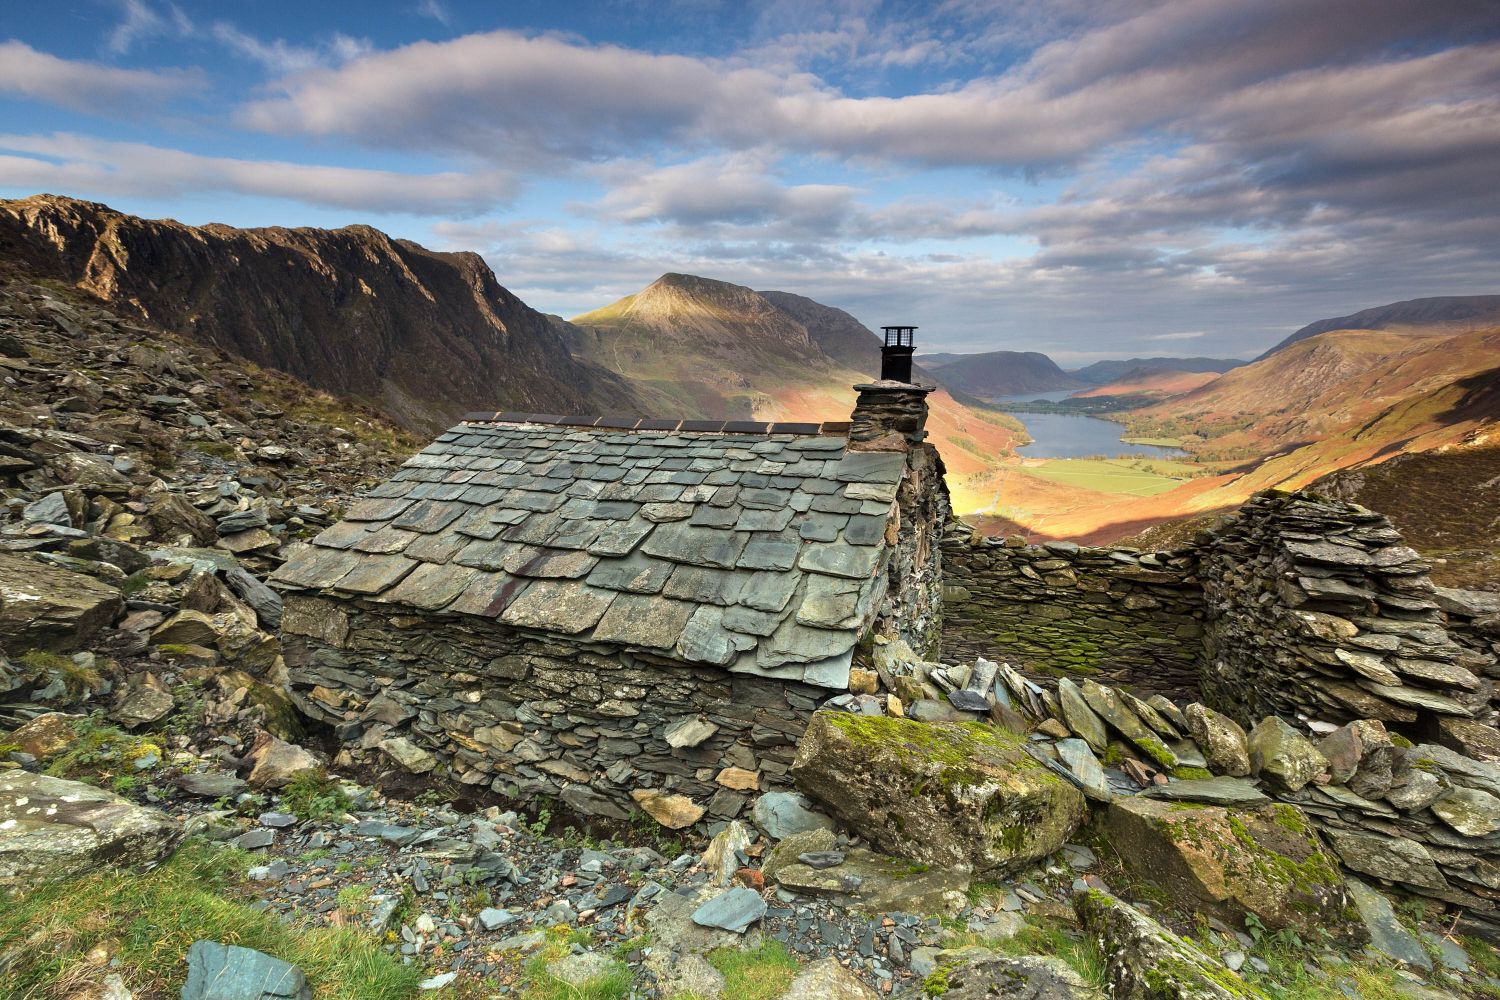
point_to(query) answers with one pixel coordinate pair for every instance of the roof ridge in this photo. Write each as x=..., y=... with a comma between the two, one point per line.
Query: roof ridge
x=832, y=428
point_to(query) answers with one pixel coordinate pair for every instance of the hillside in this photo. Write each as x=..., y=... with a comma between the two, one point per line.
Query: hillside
x=1149, y=382
x=1000, y=373
x=697, y=347
x=423, y=336
x=1440, y=316
x=1105, y=372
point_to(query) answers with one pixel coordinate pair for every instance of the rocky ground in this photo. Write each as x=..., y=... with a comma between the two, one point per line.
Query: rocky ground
x=168, y=820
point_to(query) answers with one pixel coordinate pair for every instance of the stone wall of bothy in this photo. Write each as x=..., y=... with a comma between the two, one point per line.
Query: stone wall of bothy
x=1295, y=606
x=1060, y=609
x=530, y=718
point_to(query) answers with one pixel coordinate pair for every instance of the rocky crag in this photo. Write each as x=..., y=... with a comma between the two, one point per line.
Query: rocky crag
x=422, y=335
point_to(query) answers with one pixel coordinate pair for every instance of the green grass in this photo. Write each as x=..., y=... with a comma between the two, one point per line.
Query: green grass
x=1079, y=950
x=101, y=753
x=614, y=984
x=151, y=918
x=758, y=974
x=1135, y=477
x=1155, y=442
x=312, y=794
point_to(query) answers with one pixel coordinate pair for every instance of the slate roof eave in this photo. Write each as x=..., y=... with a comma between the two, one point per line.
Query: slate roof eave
x=579, y=528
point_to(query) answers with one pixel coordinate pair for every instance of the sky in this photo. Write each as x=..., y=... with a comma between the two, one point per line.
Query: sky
x=1088, y=178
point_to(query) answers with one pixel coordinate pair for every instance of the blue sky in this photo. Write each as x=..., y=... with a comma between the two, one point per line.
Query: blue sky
x=1090, y=178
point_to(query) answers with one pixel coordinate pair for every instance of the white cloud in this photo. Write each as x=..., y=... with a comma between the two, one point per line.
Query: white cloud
x=1185, y=335
x=282, y=57
x=437, y=10
x=87, y=86
x=139, y=21
x=100, y=168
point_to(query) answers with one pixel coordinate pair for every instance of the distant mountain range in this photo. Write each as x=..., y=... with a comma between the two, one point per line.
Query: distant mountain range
x=1437, y=316
x=1105, y=372
x=698, y=347
x=1000, y=373
x=421, y=335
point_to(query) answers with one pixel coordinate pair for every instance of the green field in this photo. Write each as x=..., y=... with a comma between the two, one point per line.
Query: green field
x=1158, y=442
x=1136, y=477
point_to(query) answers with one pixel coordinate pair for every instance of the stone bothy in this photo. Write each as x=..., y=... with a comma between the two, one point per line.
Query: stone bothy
x=588, y=608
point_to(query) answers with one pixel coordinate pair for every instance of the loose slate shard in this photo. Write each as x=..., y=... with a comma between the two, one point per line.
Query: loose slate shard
x=756, y=549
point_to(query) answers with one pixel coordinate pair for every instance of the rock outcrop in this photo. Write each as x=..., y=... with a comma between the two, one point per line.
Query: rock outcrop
x=53, y=828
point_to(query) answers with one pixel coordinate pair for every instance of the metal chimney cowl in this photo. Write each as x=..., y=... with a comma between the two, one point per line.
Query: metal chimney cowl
x=895, y=355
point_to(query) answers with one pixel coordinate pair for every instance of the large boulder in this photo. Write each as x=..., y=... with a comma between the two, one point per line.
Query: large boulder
x=1227, y=863
x=53, y=828
x=43, y=607
x=1146, y=961
x=945, y=793
x=229, y=972
x=981, y=974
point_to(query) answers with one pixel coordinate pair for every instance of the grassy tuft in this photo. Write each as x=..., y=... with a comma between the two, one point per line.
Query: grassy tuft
x=149, y=920
x=757, y=974
x=312, y=794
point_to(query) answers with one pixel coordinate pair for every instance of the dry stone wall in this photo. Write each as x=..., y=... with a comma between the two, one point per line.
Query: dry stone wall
x=533, y=719
x=1060, y=609
x=913, y=606
x=1316, y=610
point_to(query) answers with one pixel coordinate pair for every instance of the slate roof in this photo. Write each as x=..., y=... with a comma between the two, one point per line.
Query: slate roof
x=758, y=551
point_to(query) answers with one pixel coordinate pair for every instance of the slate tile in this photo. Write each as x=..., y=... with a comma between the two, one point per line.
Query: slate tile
x=531, y=499
x=429, y=516
x=768, y=591
x=487, y=594
x=345, y=534
x=620, y=537
x=817, y=527
x=439, y=548
x=638, y=574
x=865, y=529
x=485, y=553
x=685, y=543
x=637, y=620
x=704, y=585
x=318, y=567
x=795, y=643
x=716, y=517
x=660, y=513
x=764, y=498
x=556, y=563
x=832, y=602
x=386, y=540
x=565, y=606
x=376, y=510
x=764, y=520
x=841, y=559
x=750, y=621
x=835, y=505
x=430, y=586
x=772, y=552
x=871, y=491
x=658, y=493
x=704, y=638
x=374, y=574
x=870, y=467
x=615, y=510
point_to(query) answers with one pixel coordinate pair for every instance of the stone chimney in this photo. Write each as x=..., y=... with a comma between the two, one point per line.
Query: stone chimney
x=888, y=416
x=891, y=414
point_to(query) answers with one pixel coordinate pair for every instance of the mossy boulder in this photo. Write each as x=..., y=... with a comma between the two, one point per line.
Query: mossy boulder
x=944, y=793
x=1146, y=961
x=1227, y=862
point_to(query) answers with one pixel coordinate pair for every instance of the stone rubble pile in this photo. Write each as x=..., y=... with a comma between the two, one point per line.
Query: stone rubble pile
x=145, y=488
x=1424, y=817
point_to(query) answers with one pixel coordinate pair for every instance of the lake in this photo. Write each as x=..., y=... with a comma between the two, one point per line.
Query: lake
x=1063, y=435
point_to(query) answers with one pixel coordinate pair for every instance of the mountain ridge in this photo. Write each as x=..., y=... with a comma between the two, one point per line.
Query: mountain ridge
x=422, y=334
x=1438, y=314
